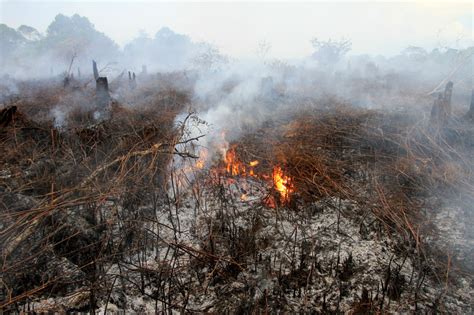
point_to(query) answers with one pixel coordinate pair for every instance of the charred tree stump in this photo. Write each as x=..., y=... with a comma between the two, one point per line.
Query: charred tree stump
x=102, y=87
x=94, y=69
x=448, y=93
x=132, y=80
x=436, y=109
x=102, y=92
x=66, y=82
x=441, y=110
x=6, y=115
x=470, y=113
x=471, y=108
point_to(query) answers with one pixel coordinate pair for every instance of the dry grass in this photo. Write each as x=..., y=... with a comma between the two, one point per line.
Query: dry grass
x=58, y=187
x=389, y=163
x=77, y=192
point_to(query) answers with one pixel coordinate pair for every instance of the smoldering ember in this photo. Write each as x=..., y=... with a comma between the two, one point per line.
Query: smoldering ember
x=167, y=177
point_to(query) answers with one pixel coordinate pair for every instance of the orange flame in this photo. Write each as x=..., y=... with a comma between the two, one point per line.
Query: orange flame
x=282, y=184
x=201, y=162
x=232, y=163
x=235, y=167
x=254, y=163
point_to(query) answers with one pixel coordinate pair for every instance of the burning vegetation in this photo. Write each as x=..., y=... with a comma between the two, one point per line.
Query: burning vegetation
x=234, y=167
x=127, y=194
x=328, y=209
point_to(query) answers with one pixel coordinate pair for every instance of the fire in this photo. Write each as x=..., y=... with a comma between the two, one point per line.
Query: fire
x=201, y=162
x=282, y=184
x=254, y=163
x=236, y=167
x=233, y=165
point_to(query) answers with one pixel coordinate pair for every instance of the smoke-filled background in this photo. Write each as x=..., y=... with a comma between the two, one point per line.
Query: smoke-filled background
x=313, y=49
x=368, y=103
x=167, y=36
x=243, y=62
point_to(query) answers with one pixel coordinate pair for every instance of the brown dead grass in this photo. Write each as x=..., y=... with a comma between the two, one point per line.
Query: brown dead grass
x=389, y=163
x=55, y=182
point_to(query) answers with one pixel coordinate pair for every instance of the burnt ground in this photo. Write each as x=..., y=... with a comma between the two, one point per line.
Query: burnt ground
x=114, y=214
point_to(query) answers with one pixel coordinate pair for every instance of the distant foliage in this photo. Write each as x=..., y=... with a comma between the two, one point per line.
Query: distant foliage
x=415, y=53
x=25, y=51
x=78, y=34
x=167, y=48
x=330, y=52
x=10, y=39
x=209, y=58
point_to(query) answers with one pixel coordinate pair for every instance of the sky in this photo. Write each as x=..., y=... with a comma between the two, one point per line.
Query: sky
x=237, y=28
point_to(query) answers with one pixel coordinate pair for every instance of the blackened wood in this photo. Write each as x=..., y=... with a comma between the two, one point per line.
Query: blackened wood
x=102, y=92
x=436, y=109
x=448, y=92
x=132, y=80
x=94, y=69
x=441, y=111
x=470, y=113
x=6, y=115
x=471, y=108
x=66, y=81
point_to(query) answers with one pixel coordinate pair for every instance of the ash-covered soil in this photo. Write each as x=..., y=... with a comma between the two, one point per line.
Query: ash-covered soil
x=230, y=255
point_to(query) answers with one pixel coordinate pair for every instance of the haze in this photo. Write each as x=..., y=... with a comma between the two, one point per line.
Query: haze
x=237, y=28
